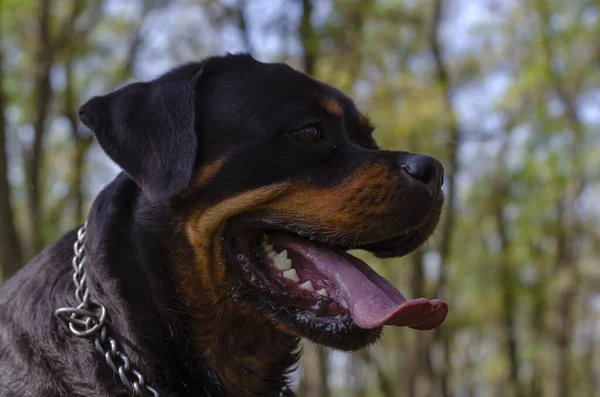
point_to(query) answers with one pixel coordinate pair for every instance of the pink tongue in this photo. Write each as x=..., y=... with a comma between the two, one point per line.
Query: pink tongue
x=372, y=300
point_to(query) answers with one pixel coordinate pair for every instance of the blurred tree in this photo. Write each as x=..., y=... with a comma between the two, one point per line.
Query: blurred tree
x=11, y=256
x=442, y=336
x=567, y=227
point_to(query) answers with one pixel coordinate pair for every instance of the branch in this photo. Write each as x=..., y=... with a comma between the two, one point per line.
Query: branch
x=240, y=17
x=135, y=40
x=308, y=38
x=65, y=34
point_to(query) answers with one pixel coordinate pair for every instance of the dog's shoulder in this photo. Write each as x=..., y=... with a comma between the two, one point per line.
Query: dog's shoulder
x=27, y=322
x=39, y=279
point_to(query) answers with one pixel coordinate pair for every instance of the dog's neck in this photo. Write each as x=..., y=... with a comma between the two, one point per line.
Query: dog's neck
x=191, y=346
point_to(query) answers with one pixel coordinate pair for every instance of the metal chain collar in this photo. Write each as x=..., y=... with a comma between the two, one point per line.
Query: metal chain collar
x=89, y=319
x=84, y=322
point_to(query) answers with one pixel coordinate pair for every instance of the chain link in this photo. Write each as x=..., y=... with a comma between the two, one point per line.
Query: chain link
x=88, y=318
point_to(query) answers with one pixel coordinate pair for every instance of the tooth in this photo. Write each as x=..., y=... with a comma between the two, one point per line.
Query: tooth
x=267, y=247
x=291, y=274
x=343, y=303
x=307, y=285
x=282, y=261
x=322, y=291
x=271, y=254
x=264, y=237
x=281, y=255
x=283, y=264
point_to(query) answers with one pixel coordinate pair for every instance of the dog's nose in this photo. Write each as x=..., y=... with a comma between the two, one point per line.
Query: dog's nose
x=426, y=169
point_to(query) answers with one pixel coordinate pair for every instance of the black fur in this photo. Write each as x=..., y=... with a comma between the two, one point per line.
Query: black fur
x=148, y=129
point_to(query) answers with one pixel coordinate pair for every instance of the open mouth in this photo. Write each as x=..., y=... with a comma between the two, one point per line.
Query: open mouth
x=321, y=284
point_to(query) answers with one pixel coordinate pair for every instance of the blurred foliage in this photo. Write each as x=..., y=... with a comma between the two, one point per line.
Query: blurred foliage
x=505, y=93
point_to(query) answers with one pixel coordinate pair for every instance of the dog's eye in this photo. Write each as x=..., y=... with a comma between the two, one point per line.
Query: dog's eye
x=309, y=134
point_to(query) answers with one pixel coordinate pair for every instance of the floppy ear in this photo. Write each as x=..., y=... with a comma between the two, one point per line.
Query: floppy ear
x=148, y=130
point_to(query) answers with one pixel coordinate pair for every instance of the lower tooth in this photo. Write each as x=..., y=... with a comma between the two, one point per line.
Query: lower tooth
x=291, y=274
x=307, y=286
x=343, y=303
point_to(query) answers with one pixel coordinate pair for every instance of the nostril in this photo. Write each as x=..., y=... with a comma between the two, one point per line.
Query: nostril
x=424, y=168
x=421, y=173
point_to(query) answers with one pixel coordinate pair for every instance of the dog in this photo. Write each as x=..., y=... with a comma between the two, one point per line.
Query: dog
x=222, y=242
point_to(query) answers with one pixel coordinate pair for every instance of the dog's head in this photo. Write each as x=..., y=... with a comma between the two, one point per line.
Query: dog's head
x=275, y=176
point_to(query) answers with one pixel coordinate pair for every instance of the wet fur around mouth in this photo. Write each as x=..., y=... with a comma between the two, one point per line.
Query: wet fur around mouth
x=210, y=150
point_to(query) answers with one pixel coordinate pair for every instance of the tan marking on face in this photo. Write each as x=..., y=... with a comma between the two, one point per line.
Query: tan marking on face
x=332, y=106
x=237, y=342
x=287, y=330
x=364, y=120
x=351, y=207
x=202, y=225
x=208, y=172
x=204, y=229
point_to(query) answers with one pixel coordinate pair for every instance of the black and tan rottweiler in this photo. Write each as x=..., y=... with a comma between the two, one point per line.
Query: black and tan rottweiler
x=224, y=239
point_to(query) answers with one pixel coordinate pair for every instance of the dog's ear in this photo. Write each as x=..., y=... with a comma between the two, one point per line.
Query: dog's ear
x=149, y=130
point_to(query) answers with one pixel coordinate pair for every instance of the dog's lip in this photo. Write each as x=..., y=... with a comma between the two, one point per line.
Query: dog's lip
x=387, y=245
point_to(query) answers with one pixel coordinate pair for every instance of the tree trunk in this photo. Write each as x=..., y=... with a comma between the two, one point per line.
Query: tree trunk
x=591, y=361
x=416, y=350
x=11, y=256
x=386, y=387
x=316, y=371
x=323, y=371
x=309, y=41
x=568, y=223
x=42, y=95
x=240, y=16
x=537, y=329
x=507, y=283
x=81, y=146
x=442, y=335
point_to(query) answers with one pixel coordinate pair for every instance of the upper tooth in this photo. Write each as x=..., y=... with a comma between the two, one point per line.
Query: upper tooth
x=267, y=247
x=282, y=261
x=322, y=291
x=283, y=264
x=307, y=285
x=282, y=255
x=264, y=237
x=343, y=303
x=291, y=274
